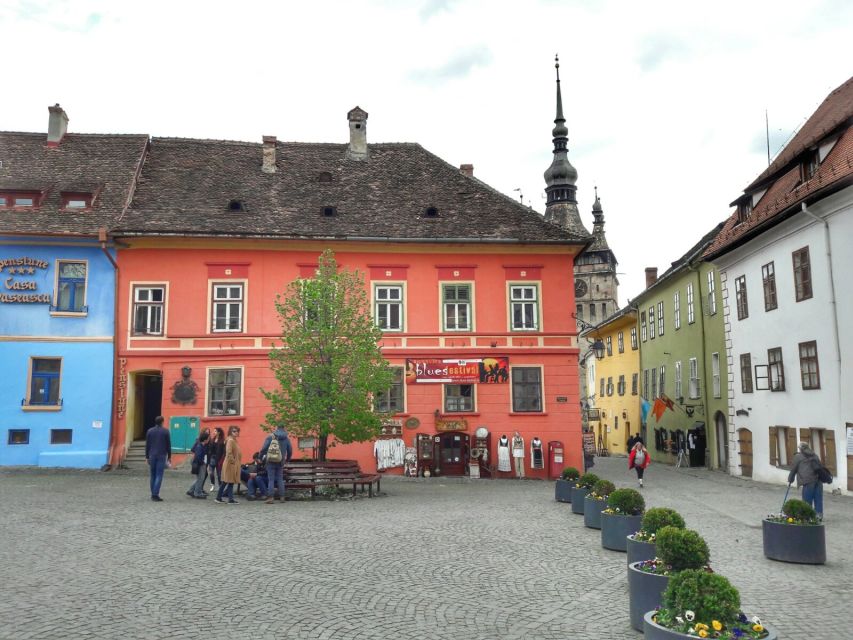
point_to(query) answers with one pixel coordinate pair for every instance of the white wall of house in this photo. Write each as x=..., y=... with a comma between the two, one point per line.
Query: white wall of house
x=790, y=324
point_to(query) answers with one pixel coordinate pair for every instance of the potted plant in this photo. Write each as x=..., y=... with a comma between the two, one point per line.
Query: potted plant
x=795, y=535
x=641, y=545
x=565, y=484
x=582, y=487
x=703, y=604
x=623, y=516
x=678, y=550
x=595, y=502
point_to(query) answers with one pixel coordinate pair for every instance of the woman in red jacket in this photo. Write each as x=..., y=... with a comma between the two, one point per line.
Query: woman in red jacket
x=639, y=459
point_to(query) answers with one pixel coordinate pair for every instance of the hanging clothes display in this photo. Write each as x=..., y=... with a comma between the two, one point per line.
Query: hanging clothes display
x=536, y=456
x=389, y=453
x=518, y=454
x=503, y=454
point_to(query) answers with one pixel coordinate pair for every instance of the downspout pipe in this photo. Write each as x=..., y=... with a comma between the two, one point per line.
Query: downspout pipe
x=112, y=460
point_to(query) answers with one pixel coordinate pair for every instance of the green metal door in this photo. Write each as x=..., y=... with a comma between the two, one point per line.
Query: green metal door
x=183, y=431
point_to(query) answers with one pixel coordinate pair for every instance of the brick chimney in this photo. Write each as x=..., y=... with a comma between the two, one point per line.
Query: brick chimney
x=467, y=170
x=268, y=165
x=357, y=149
x=57, y=125
x=651, y=276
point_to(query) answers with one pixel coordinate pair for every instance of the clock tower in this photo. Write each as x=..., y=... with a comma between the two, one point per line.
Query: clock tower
x=596, y=284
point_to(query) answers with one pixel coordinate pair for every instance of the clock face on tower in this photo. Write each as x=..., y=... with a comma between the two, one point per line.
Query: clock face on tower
x=580, y=288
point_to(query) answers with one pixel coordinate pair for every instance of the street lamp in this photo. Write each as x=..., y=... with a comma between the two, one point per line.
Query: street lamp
x=597, y=345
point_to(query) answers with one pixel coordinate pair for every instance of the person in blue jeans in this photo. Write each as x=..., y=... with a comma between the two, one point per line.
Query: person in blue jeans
x=804, y=468
x=158, y=455
x=199, y=461
x=275, y=473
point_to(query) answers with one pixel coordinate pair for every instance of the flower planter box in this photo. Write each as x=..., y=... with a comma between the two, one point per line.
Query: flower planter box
x=563, y=490
x=645, y=591
x=802, y=543
x=578, y=494
x=653, y=631
x=592, y=509
x=616, y=528
x=639, y=550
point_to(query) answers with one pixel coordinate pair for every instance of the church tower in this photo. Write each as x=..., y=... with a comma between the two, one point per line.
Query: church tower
x=596, y=284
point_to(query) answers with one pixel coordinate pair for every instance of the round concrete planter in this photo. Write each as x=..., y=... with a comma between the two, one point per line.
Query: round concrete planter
x=639, y=550
x=592, y=509
x=578, y=494
x=645, y=591
x=802, y=543
x=563, y=490
x=616, y=528
x=653, y=631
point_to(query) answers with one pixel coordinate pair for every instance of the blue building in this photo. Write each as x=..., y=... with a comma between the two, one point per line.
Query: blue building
x=58, y=195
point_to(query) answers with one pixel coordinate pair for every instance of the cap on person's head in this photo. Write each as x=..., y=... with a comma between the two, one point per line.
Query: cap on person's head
x=804, y=446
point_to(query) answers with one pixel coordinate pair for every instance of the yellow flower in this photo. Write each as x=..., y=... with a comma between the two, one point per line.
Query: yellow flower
x=790, y=520
x=703, y=633
x=702, y=626
x=718, y=626
x=757, y=628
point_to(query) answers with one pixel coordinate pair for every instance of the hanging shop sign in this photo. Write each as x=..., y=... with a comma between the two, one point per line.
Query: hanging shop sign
x=458, y=424
x=476, y=370
x=23, y=289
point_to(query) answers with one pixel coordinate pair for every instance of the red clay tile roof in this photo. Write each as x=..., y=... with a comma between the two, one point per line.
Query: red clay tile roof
x=91, y=163
x=785, y=191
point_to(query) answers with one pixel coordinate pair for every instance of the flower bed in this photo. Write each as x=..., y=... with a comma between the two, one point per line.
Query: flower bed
x=795, y=535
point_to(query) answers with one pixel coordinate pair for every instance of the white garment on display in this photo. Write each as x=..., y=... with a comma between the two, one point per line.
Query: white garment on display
x=389, y=453
x=517, y=447
x=503, y=454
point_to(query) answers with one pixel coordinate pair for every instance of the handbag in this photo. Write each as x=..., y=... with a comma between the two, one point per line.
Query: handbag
x=823, y=474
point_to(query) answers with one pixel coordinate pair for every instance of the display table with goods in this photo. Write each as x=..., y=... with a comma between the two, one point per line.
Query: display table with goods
x=565, y=484
x=795, y=535
x=582, y=487
x=641, y=545
x=622, y=517
x=595, y=502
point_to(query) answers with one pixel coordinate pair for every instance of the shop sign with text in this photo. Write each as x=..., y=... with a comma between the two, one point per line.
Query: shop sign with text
x=18, y=289
x=476, y=370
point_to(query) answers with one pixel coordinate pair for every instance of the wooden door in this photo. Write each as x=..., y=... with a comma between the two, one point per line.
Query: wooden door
x=744, y=440
x=452, y=453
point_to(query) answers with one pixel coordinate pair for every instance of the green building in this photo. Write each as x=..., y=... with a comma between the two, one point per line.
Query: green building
x=683, y=361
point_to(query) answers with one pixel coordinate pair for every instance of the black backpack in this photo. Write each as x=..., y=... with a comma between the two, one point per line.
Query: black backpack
x=822, y=472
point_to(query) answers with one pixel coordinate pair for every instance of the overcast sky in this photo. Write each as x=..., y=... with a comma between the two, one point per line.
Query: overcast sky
x=664, y=101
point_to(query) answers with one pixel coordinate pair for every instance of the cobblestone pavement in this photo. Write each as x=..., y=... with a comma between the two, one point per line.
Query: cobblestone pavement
x=88, y=555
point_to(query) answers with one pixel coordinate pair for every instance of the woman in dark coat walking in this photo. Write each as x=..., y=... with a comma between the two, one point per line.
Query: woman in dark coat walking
x=215, y=454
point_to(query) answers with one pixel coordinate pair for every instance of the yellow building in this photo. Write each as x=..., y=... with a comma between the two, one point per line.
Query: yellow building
x=613, y=382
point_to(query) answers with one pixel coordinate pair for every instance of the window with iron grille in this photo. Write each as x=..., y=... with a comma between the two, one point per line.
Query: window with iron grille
x=676, y=309
x=746, y=373
x=809, y=368
x=524, y=301
x=148, y=307
x=224, y=392
x=392, y=400
x=776, y=369
x=388, y=307
x=768, y=279
x=457, y=307
x=741, y=299
x=802, y=274
x=228, y=307
x=526, y=389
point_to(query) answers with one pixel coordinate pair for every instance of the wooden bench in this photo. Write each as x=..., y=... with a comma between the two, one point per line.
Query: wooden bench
x=311, y=474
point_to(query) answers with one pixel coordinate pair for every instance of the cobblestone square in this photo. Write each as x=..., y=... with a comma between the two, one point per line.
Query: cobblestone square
x=88, y=555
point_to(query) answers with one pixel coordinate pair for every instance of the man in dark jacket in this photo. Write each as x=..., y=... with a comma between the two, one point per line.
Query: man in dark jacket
x=158, y=455
x=275, y=474
x=804, y=469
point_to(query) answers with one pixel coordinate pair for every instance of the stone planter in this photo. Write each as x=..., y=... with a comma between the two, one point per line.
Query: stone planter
x=578, y=494
x=653, y=631
x=616, y=528
x=639, y=550
x=805, y=544
x=592, y=509
x=563, y=490
x=645, y=591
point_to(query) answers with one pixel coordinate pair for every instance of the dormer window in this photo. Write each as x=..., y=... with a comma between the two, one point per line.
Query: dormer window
x=744, y=210
x=236, y=205
x=431, y=212
x=330, y=212
x=809, y=166
x=76, y=201
x=19, y=199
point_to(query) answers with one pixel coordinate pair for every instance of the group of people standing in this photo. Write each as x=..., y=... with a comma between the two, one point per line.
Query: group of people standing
x=219, y=457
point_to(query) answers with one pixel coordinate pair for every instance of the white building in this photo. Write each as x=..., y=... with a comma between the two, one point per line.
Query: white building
x=786, y=268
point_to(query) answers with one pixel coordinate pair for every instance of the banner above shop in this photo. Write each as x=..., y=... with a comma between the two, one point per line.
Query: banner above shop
x=473, y=371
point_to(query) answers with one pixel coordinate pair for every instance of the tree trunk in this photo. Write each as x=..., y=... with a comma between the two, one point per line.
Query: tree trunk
x=322, y=442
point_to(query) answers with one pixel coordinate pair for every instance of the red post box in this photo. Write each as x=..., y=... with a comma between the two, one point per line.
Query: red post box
x=555, y=459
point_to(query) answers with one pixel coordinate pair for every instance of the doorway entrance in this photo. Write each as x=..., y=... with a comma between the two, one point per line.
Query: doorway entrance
x=721, y=432
x=452, y=453
x=147, y=402
x=744, y=440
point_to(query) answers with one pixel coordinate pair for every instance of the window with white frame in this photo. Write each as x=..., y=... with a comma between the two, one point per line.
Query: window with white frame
x=228, y=302
x=690, y=314
x=388, y=307
x=148, y=307
x=715, y=373
x=456, y=306
x=70, y=294
x=458, y=398
x=524, y=307
x=694, y=378
x=392, y=400
x=712, y=294
x=660, y=318
x=662, y=380
x=652, y=322
x=45, y=379
x=678, y=390
x=654, y=382
x=676, y=309
x=224, y=391
x=526, y=389
x=643, y=328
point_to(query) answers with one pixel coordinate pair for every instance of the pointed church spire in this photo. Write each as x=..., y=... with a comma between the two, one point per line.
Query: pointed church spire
x=561, y=176
x=600, y=241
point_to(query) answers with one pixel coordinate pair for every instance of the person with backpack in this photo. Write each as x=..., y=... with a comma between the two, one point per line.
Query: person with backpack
x=274, y=453
x=199, y=465
x=804, y=467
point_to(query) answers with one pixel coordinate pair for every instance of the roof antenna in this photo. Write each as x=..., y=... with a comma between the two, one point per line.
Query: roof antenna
x=767, y=131
x=520, y=195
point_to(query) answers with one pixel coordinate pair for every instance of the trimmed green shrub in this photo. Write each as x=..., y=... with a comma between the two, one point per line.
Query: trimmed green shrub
x=603, y=488
x=799, y=510
x=709, y=596
x=682, y=548
x=628, y=502
x=657, y=518
x=588, y=480
x=570, y=473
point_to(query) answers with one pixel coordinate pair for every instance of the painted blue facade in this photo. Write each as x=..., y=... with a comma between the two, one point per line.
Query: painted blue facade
x=56, y=352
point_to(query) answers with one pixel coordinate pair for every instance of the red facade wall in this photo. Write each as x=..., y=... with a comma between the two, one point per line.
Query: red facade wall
x=188, y=267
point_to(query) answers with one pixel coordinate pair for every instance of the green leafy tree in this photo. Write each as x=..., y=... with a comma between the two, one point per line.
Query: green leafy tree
x=329, y=365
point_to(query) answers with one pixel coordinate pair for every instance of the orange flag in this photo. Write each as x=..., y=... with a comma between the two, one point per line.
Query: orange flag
x=658, y=408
